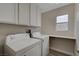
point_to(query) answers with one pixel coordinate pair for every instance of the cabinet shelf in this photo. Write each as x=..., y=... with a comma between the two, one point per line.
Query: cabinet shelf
x=62, y=51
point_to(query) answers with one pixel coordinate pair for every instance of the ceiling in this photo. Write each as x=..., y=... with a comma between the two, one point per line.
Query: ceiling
x=50, y=6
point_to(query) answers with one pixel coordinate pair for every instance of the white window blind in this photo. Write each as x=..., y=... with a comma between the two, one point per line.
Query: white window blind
x=62, y=23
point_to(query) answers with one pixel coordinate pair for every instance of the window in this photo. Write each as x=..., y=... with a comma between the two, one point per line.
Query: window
x=62, y=23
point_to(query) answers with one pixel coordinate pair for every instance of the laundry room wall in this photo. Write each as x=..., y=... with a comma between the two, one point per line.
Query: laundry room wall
x=49, y=21
x=49, y=27
x=6, y=29
x=77, y=28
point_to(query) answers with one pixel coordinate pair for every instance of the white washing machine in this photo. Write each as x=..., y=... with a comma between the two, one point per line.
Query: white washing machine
x=22, y=45
x=44, y=41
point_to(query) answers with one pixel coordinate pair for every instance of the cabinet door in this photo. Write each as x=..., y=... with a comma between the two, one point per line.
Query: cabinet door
x=24, y=14
x=38, y=16
x=8, y=13
x=35, y=51
x=35, y=15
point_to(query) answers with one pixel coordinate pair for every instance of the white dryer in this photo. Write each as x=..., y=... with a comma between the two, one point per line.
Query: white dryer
x=22, y=45
x=44, y=41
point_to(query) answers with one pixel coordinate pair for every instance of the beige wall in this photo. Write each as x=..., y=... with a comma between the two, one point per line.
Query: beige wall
x=49, y=27
x=49, y=21
x=77, y=27
x=6, y=29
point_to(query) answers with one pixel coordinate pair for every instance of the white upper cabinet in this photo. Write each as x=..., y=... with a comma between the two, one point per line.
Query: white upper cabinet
x=21, y=14
x=8, y=13
x=35, y=15
x=24, y=14
x=38, y=16
x=29, y=14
